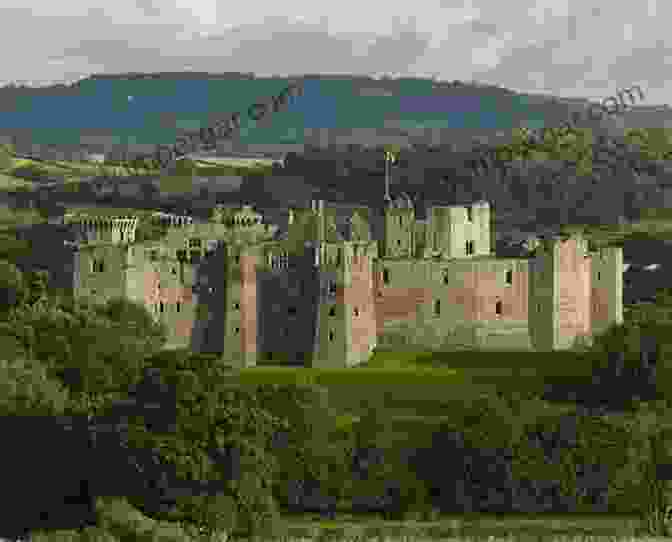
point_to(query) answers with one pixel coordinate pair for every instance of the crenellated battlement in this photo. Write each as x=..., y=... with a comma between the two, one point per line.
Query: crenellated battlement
x=96, y=230
x=328, y=294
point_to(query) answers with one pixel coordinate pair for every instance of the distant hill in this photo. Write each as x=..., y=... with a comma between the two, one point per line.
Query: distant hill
x=138, y=111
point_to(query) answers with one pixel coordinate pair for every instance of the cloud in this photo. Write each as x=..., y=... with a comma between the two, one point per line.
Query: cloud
x=570, y=48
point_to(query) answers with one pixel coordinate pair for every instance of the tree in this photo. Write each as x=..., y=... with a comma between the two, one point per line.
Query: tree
x=649, y=449
x=13, y=290
x=216, y=422
x=7, y=153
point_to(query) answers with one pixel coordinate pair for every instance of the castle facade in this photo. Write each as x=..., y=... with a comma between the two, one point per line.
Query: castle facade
x=317, y=297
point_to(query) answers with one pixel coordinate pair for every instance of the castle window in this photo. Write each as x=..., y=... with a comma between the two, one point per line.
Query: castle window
x=181, y=255
x=332, y=311
x=437, y=307
x=445, y=277
x=161, y=307
x=236, y=330
x=599, y=275
x=331, y=335
x=291, y=310
x=538, y=307
x=498, y=308
x=177, y=306
x=173, y=271
x=194, y=243
x=470, y=248
x=509, y=277
x=122, y=235
x=398, y=242
x=386, y=276
x=237, y=258
x=356, y=311
x=401, y=223
x=236, y=305
x=470, y=216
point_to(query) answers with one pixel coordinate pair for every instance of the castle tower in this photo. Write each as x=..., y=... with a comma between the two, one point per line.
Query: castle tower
x=346, y=322
x=102, y=256
x=399, y=228
x=559, y=293
x=458, y=231
x=607, y=288
x=239, y=305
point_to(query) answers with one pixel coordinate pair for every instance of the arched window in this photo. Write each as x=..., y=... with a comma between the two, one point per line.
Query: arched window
x=498, y=308
x=437, y=307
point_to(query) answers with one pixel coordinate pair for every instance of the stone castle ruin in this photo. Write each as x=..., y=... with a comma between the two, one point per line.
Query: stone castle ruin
x=317, y=297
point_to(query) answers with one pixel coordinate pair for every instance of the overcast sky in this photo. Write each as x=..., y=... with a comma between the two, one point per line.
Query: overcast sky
x=569, y=48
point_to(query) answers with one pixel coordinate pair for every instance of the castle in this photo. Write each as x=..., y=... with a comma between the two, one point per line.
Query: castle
x=231, y=286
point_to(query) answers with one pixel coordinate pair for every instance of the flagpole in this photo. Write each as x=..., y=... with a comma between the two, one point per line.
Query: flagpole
x=387, y=177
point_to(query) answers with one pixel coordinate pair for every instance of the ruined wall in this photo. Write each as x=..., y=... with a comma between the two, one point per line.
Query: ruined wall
x=399, y=233
x=447, y=305
x=449, y=228
x=346, y=324
x=607, y=288
x=560, y=291
x=358, y=297
x=574, y=284
x=99, y=272
x=287, y=293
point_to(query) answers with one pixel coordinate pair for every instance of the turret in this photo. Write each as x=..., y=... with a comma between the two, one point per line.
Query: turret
x=458, y=231
x=346, y=323
x=399, y=228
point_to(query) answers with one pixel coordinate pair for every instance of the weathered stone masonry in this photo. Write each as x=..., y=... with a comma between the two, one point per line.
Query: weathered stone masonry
x=327, y=299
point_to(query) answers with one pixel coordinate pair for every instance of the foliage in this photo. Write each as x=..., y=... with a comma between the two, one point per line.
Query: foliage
x=649, y=449
x=7, y=159
x=308, y=447
x=13, y=290
x=221, y=444
x=94, y=351
x=25, y=388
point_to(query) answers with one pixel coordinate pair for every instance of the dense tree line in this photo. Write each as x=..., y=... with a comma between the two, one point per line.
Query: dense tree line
x=92, y=409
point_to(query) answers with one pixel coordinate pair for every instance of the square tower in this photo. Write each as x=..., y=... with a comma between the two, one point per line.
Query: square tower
x=458, y=232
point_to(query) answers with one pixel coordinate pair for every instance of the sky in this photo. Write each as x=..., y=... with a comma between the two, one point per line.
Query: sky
x=568, y=48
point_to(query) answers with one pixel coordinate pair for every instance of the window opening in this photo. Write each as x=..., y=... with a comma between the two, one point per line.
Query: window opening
x=236, y=330
x=470, y=247
x=386, y=276
x=356, y=311
x=177, y=306
x=437, y=307
x=161, y=307
x=331, y=335
x=509, y=277
x=470, y=216
x=332, y=311
x=498, y=308
x=236, y=305
x=291, y=310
